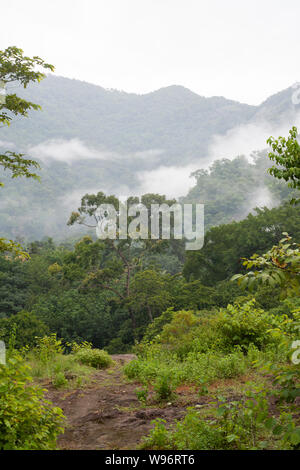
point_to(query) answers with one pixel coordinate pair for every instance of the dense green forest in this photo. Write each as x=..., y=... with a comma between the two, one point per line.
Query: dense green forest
x=53, y=285
x=214, y=331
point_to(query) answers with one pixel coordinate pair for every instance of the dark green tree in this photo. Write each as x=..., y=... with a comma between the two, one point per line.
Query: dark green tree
x=17, y=69
x=115, y=260
x=286, y=154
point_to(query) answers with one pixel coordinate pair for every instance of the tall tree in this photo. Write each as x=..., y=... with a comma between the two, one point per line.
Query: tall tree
x=17, y=69
x=120, y=258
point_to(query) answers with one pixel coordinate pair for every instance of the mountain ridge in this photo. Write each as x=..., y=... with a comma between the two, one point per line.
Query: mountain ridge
x=171, y=86
x=88, y=139
x=174, y=118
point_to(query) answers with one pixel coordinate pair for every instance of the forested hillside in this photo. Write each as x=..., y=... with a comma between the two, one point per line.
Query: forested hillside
x=87, y=138
x=173, y=119
x=133, y=342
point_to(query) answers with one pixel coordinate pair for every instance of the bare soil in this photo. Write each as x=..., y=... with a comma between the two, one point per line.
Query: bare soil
x=106, y=414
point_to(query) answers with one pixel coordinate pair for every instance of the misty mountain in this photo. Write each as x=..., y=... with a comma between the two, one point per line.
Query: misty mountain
x=88, y=139
x=171, y=119
x=278, y=108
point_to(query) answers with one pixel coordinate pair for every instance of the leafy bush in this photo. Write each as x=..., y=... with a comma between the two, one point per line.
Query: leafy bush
x=63, y=370
x=142, y=369
x=164, y=386
x=192, y=433
x=231, y=365
x=48, y=347
x=48, y=360
x=26, y=326
x=196, y=366
x=159, y=437
x=76, y=347
x=185, y=332
x=155, y=327
x=181, y=326
x=27, y=420
x=249, y=424
x=246, y=424
x=59, y=380
x=286, y=375
x=94, y=358
x=142, y=395
x=243, y=325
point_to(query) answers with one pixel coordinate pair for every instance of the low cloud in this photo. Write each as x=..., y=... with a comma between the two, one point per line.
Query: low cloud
x=244, y=139
x=72, y=150
x=71, y=200
x=67, y=151
x=173, y=181
x=261, y=197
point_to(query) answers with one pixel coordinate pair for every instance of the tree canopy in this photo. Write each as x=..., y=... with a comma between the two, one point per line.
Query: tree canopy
x=17, y=69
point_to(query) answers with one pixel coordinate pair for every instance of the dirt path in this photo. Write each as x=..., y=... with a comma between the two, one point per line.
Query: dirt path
x=107, y=414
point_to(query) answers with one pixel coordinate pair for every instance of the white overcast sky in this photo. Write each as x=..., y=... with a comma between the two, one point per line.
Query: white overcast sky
x=241, y=49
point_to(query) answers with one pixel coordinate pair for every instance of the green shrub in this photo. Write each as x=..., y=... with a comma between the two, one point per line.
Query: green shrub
x=59, y=380
x=248, y=424
x=76, y=347
x=180, y=328
x=26, y=327
x=231, y=365
x=241, y=422
x=133, y=369
x=185, y=332
x=63, y=370
x=142, y=395
x=196, y=366
x=164, y=386
x=155, y=328
x=242, y=325
x=48, y=347
x=94, y=358
x=203, y=390
x=144, y=370
x=159, y=437
x=192, y=433
x=27, y=420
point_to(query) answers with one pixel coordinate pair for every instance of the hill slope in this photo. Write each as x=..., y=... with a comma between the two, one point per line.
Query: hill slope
x=173, y=119
x=90, y=139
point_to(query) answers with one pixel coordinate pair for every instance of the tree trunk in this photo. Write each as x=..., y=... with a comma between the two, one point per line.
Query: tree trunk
x=149, y=313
